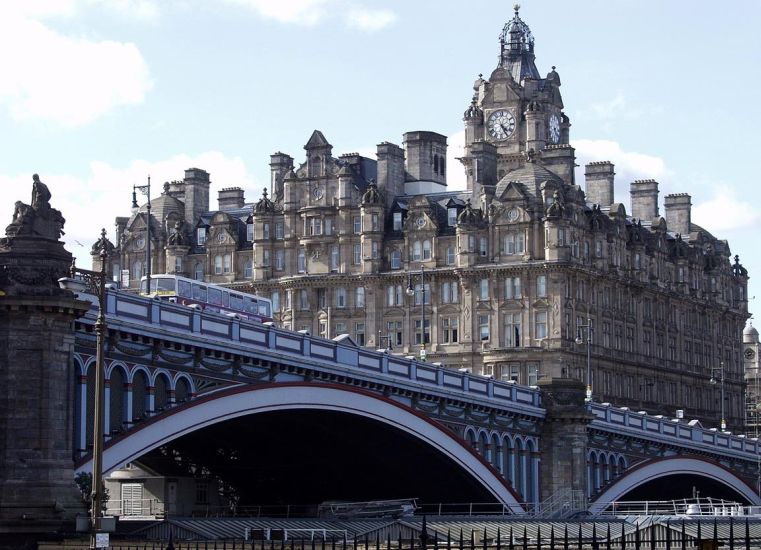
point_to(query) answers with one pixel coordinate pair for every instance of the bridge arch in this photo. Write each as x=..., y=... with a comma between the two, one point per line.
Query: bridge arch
x=247, y=400
x=664, y=467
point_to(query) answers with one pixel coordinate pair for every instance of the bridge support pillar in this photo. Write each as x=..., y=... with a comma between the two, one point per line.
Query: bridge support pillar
x=564, y=437
x=38, y=497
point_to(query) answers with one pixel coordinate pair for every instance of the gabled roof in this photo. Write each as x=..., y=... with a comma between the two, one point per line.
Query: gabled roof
x=316, y=141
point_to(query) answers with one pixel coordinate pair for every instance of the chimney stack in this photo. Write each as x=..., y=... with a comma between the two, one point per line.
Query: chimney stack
x=231, y=198
x=678, y=212
x=644, y=195
x=598, y=179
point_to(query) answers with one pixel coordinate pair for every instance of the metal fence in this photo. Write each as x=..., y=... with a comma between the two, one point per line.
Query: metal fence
x=614, y=535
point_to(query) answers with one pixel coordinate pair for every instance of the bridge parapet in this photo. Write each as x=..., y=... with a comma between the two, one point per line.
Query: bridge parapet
x=669, y=431
x=156, y=319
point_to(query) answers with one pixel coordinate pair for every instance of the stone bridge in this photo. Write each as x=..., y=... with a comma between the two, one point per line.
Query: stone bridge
x=172, y=371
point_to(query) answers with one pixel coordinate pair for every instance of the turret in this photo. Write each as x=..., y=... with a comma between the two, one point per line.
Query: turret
x=280, y=163
x=426, y=154
x=536, y=135
x=482, y=173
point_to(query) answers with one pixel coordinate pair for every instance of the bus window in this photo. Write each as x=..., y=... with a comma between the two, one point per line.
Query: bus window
x=215, y=296
x=236, y=302
x=225, y=298
x=264, y=309
x=163, y=286
x=199, y=293
x=183, y=288
x=249, y=305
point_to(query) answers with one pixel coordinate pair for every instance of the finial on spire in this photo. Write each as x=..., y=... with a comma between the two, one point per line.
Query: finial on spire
x=517, y=8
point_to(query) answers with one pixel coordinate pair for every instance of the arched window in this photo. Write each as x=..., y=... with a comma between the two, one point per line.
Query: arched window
x=161, y=393
x=117, y=413
x=199, y=272
x=435, y=164
x=182, y=390
x=218, y=265
x=139, y=395
x=426, y=249
x=442, y=165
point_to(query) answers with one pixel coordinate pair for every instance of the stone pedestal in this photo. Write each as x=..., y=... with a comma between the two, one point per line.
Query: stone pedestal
x=38, y=498
x=564, y=437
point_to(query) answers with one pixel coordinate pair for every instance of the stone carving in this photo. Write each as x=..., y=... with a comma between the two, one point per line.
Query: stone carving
x=177, y=237
x=38, y=219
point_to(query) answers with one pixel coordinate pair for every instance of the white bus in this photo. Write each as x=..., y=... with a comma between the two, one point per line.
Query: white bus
x=189, y=292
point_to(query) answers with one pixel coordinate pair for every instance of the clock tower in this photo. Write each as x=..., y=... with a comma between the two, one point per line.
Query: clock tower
x=513, y=112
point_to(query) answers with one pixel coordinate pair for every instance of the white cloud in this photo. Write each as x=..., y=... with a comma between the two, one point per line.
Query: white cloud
x=141, y=10
x=48, y=76
x=301, y=12
x=629, y=165
x=312, y=12
x=369, y=20
x=93, y=201
x=724, y=211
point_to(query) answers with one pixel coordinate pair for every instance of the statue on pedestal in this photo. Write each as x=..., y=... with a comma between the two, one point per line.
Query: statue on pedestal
x=37, y=219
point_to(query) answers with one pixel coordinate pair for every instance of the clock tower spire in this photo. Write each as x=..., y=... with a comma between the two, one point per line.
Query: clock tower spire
x=515, y=111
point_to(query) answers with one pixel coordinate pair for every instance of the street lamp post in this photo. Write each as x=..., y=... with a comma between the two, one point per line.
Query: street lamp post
x=411, y=292
x=720, y=370
x=145, y=190
x=84, y=280
x=588, y=339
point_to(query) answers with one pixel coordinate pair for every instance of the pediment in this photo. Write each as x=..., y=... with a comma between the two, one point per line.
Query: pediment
x=484, y=306
x=421, y=221
x=449, y=309
x=394, y=312
x=514, y=192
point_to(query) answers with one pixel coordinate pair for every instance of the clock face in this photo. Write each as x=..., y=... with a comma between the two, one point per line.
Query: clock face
x=221, y=237
x=554, y=128
x=749, y=354
x=501, y=125
x=317, y=193
x=140, y=243
x=421, y=221
x=512, y=214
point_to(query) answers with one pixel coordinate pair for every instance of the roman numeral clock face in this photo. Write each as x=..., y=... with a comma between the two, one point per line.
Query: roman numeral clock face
x=501, y=125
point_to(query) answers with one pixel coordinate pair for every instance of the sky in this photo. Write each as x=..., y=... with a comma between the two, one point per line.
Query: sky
x=96, y=95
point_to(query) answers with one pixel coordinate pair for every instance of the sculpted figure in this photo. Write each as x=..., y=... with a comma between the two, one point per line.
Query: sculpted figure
x=40, y=194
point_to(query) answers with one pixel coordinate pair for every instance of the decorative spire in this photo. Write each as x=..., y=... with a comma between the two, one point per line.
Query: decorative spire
x=264, y=204
x=517, y=49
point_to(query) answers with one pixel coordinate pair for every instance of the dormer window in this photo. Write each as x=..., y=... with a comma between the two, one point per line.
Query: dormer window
x=452, y=216
x=201, y=236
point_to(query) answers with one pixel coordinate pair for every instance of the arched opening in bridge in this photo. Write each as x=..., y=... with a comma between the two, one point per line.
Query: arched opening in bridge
x=676, y=478
x=299, y=456
x=683, y=486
